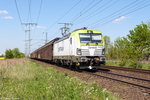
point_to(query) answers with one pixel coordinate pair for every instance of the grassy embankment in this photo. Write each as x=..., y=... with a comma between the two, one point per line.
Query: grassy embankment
x=130, y=64
x=27, y=80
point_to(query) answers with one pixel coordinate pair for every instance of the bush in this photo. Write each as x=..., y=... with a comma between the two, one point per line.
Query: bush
x=9, y=54
x=122, y=63
x=135, y=64
x=14, y=53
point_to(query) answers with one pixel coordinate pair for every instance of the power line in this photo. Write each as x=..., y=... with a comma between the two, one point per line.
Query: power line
x=18, y=11
x=125, y=14
x=106, y=6
x=99, y=10
x=39, y=11
x=91, y=3
x=26, y=44
x=29, y=11
x=85, y=8
x=116, y=13
x=64, y=14
x=94, y=5
x=116, y=16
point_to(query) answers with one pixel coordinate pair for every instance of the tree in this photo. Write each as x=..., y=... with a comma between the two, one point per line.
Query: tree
x=22, y=55
x=122, y=47
x=107, y=43
x=15, y=53
x=139, y=39
x=136, y=46
x=9, y=54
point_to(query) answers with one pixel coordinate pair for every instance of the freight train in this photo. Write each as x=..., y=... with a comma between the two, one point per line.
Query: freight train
x=81, y=49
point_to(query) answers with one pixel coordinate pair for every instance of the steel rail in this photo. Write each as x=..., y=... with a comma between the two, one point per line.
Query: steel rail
x=134, y=84
x=127, y=69
x=126, y=76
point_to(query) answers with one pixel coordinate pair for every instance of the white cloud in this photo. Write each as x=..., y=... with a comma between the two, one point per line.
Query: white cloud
x=119, y=19
x=41, y=27
x=38, y=27
x=8, y=18
x=3, y=12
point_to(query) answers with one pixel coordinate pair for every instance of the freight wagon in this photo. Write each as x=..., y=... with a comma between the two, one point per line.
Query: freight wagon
x=45, y=52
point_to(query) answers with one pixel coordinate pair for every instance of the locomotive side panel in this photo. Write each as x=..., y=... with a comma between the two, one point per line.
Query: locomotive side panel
x=62, y=49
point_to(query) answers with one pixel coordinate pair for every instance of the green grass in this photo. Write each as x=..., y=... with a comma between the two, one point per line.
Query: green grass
x=31, y=81
x=129, y=63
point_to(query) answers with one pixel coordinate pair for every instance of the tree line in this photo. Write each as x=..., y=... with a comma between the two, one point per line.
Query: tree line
x=14, y=53
x=134, y=47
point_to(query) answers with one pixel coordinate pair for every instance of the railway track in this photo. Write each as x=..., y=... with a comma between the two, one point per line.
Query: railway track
x=123, y=78
x=127, y=69
x=142, y=79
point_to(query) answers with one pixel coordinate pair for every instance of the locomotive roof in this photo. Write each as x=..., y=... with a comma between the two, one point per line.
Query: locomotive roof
x=82, y=30
x=85, y=30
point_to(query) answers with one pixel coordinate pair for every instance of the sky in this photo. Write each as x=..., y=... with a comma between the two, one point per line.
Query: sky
x=114, y=18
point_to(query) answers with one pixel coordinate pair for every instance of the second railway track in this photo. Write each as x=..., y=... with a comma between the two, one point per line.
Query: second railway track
x=127, y=69
x=134, y=81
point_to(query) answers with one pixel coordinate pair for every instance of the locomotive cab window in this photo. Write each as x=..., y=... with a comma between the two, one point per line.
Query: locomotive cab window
x=90, y=38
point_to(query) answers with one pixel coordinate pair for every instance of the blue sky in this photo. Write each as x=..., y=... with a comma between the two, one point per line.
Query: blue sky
x=120, y=16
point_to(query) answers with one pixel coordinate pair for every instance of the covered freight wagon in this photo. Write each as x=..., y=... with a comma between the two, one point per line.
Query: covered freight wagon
x=45, y=52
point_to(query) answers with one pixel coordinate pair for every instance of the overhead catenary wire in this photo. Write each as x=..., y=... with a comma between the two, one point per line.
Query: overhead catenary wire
x=29, y=11
x=18, y=11
x=101, y=9
x=39, y=11
x=66, y=13
x=116, y=13
x=139, y=8
x=90, y=3
x=87, y=10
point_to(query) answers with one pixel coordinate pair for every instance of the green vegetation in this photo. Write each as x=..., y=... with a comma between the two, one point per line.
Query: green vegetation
x=27, y=80
x=130, y=64
x=14, y=53
x=131, y=50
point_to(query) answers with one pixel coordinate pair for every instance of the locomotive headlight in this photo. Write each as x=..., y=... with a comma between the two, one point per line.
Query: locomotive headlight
x=78, y=51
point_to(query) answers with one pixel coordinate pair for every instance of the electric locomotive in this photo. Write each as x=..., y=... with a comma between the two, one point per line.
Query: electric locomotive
x=83, y=48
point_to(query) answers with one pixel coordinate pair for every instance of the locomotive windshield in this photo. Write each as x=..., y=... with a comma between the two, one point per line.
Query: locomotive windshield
x=90, y=38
